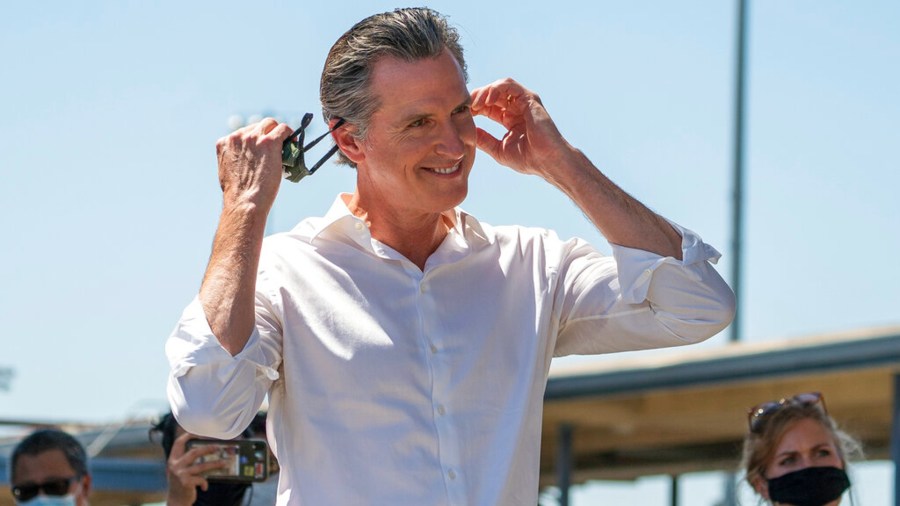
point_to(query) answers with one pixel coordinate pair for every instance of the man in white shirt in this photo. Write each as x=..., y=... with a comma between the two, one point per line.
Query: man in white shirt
x=403, y=344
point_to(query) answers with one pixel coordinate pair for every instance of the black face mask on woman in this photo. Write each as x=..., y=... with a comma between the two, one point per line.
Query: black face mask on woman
x=812, y=486
x=221, y=494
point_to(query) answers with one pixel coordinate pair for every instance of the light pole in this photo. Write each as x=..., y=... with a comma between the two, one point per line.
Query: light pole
x=737, y=223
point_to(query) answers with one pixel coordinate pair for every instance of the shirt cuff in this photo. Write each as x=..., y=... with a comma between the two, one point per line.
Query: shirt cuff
x=193, y=344
x=636, y=266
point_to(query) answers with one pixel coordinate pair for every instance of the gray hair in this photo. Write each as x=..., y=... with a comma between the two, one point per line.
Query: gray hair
x=409, y=34
x=44, y=440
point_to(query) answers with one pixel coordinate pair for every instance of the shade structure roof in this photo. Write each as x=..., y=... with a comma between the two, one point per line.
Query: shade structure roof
x=685, y=410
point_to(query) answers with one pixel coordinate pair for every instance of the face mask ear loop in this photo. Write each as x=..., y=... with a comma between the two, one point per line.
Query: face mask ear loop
x=330, y=152
x=307, y=118
x=292, y=152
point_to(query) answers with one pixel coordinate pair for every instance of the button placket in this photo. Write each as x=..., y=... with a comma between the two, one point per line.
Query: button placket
x=447, y=436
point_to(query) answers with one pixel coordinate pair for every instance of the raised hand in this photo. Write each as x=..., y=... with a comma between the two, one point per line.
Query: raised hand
x=250, y=163
x=532, y=143
x=185, y=473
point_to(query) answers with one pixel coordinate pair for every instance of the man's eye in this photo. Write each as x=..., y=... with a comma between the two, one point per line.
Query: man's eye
x=417, y=123
x=462, y=108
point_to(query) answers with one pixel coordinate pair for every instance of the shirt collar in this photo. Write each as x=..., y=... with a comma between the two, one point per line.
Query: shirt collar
x=337, y=213
x=340, y=220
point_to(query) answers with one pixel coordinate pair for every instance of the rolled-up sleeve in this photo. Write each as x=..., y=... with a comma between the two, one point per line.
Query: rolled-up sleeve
x=212, y=393
x=641, y=300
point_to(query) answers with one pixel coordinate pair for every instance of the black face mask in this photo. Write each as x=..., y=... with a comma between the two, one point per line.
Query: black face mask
x=221, y=494
x=813, y=486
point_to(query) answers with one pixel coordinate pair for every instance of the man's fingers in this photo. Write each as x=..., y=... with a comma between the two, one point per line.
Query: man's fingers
x=487, y=143
x=187, y=478
x=178, y=447
x=266, y=125
x=504, y=93
x=497, y=114
x=281, y=132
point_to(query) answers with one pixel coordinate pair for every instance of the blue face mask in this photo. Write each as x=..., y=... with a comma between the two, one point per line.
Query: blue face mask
x=50, y=500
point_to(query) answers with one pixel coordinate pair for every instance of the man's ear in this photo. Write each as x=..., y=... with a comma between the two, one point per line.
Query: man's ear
x=346, y=140
x=85, y=489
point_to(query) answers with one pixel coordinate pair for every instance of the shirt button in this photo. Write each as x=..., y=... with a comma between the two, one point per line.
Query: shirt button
x=452, y=474
x=359, y=226
x=423, y=287
x=442, y=412
x=433, y=348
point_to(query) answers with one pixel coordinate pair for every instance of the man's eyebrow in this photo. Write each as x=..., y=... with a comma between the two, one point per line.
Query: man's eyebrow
x=414, y=116
x=465, y=103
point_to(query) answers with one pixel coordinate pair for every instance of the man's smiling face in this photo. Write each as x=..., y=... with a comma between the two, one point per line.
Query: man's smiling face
x=420, y=144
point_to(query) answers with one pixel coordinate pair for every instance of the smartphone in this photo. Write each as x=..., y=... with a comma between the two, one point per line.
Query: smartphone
x=248, y=459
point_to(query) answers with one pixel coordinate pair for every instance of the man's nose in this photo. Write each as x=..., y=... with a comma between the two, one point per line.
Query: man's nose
x=451, y=141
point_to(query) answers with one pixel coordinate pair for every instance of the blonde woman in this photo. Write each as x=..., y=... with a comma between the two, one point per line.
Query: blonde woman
x=795, y=454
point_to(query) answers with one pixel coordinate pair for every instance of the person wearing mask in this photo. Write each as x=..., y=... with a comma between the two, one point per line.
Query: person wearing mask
x=50, y=468
x=795, y=454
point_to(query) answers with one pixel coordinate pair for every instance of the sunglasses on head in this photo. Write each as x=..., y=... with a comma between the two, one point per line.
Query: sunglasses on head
x=58, y=487
x=292, y=151
x=757, y=415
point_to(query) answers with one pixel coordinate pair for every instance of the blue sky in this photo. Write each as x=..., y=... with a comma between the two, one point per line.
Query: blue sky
x=111, y=110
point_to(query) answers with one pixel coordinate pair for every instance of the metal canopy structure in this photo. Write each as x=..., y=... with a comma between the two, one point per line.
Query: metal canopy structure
x=685, y=410
x=667, y=413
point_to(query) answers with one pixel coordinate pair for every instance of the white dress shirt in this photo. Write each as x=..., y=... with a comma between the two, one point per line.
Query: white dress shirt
x=392, y=386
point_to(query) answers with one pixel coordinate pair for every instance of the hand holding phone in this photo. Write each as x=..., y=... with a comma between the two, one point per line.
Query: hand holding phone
x=185, y=471
x=243, y=460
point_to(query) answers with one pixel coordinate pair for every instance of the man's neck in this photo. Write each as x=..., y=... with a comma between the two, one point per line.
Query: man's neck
x=415, y=236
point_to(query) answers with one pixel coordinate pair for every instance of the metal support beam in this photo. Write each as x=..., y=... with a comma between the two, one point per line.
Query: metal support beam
x=730, y=498
x=674, y=500
x=564, y=462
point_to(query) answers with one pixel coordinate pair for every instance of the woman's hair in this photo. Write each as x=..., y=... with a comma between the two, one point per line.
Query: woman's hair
x=408, y=34
x=761, y=444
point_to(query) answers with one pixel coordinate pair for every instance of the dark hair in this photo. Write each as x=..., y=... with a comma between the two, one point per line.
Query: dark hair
x=44, y=440
x=166, y=427
x=408, y=34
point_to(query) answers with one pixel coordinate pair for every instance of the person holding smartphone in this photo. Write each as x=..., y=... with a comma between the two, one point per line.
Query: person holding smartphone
x=404, y=345
x=188, y=473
